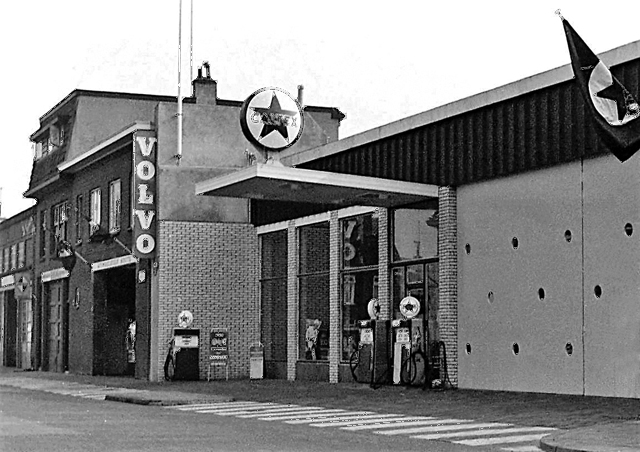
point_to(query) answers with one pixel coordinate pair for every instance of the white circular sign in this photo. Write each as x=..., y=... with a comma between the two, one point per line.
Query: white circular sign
x=185, y=319
x=270, y=118
x=409, y=307
x=373, y=308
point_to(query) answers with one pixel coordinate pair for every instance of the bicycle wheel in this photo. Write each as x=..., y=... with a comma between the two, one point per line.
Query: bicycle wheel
x=354, y=360
x=169, y=367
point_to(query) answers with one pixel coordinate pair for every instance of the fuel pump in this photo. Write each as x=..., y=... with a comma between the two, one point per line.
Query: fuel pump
x=370, y=360
x=410, y=343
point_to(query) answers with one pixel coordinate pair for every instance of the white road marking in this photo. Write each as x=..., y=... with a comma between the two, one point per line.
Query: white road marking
x=337, y=422
x=502, y=440
x=334, y=416
x=435, y=423
x=302, y=415
x=388, y=423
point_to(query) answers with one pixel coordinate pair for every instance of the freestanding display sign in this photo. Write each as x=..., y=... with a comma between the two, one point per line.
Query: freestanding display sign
x=219, y=349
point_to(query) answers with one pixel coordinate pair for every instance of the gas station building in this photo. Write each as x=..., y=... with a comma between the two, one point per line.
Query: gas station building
x=502, y=213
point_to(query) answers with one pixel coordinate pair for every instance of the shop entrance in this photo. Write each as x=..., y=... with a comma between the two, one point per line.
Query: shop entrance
x=57, y=327
x=9, y=320
x=115, y=317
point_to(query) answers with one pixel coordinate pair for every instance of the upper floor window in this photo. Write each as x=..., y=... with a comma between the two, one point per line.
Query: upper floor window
x=14, y=257
x=59, y=217
x=79, y=218
x=42, y=250
x=94, y=217
x=7, y=261
x=21, y=254
x=115, y=201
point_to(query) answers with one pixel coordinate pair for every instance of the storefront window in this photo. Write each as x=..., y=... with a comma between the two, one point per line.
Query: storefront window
x=274, y=295
x=313, y=283
x=415, y=234
x=359, y=275
x=360, y=241
x=421, y=282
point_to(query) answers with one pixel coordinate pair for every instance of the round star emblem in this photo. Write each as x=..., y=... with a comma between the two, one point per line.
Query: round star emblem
x=271, y=119
x=612, y=101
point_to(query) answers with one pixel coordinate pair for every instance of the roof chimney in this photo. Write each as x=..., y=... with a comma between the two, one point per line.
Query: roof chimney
x=300, y=95
x=205, y=89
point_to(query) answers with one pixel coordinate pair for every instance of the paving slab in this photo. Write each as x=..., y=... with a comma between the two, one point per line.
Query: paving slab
x=619, y=437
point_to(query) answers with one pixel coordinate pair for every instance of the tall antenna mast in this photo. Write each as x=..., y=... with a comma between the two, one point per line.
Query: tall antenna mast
x=191, y=46
x=179, y=112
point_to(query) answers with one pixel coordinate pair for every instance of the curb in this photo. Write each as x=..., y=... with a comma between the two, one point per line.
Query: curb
x=622, y=437
x=166, y=399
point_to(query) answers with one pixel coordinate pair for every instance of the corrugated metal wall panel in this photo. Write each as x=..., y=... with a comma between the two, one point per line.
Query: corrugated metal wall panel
x=535, y=130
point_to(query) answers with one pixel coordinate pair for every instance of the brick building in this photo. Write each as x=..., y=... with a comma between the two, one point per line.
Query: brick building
x=123, y=243
x=17, y=322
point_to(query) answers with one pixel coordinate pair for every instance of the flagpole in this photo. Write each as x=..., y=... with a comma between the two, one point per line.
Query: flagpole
x=179, y=112
x=191, y=46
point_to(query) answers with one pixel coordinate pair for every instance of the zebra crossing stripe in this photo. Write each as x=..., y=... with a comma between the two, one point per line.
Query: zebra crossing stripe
x=426, y=426
x=279, y=411
x=487, y=432
x=198, y=406
x=386, y=423
x=309, y=420
x=448, y=428
x=338, y=423
x=301, y=414
x=505, y=439
x=250, y=409
x=232, y=411
x=528, y=448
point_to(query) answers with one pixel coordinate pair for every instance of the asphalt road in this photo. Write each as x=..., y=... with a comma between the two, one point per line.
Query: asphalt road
x=32, y=421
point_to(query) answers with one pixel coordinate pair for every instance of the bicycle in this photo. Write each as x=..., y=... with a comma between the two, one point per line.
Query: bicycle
x=170, y=361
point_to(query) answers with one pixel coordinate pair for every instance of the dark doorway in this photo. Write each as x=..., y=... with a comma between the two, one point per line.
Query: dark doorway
x=115, y=304
x=10, y=328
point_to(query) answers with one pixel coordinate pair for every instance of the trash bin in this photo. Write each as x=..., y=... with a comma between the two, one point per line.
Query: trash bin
x=256, y=361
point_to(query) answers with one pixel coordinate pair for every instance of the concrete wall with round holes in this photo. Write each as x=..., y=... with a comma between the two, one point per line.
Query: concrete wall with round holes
x=543, y=256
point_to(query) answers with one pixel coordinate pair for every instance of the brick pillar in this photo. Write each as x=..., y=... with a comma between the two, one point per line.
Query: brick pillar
x=384, y=295
x=292, y=302
x=448, y=276
x=335, y=321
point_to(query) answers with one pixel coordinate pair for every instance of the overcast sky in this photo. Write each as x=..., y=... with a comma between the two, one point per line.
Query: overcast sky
x=376, y=61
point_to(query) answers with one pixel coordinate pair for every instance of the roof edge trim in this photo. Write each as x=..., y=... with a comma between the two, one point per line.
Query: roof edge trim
x=138, y=125
x=616, y=56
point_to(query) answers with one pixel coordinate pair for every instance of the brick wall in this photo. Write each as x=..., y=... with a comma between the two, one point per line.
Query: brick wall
x=335, y=328
x=210, y=269
x=448, y=276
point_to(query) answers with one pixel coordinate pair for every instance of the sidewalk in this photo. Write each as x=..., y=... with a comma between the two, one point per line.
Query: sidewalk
x=587, y=424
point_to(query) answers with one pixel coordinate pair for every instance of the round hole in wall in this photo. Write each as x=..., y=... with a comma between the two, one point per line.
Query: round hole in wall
x=514, y=243
x=541, y=294
x=628, y=229
x=569, y=348
x=597, y=291
x=516, y=348
x=467, y=248
x=490, y=297
x=567, y=236
x=468, y=348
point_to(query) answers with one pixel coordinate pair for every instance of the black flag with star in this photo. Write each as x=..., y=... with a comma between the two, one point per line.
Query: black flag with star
x=613, y=108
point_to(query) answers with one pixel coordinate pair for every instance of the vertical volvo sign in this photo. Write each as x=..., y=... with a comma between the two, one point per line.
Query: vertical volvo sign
x=144, y=193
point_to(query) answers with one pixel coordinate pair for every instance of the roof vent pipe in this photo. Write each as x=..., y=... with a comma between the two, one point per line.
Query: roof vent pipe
x=207, y=69
x=300, y=95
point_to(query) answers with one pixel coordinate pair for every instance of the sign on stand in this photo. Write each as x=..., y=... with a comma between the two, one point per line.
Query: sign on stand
x=219, y=349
